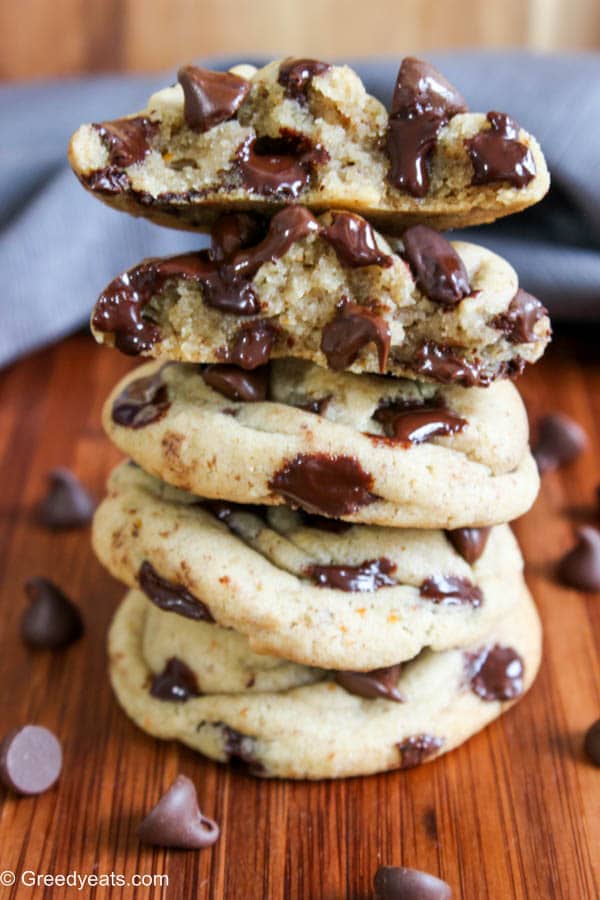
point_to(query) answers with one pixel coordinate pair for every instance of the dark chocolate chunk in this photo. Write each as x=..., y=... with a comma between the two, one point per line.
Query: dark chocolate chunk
x=176, y=683
x=322, y=483
x=444, y=364
x=518, y=322
x=416, y=749
x=127, y=140
x=451, y=590
x=171, y=597
x=373, y=685
x=51, y=621
x=580, y=567
x=282, y=166
x=237, y=384
x=398, y=883
x=353, y=240
x=591, y=743
x=210, y=97
x=109, y=180
x=119, y=309
x=67, y=503
x=496, y=673
x=240, y=748
x=469, y=542
x=236, y=231
x=176, y=820
x=143, y=402
x=352, y=329
x=417, y=423
x=497, y=155
x=560, y=441
x=436, y=266
x=368, y=576
x=30, y=760
x=312, y=520
x=422, y=104
x=252, y=344
x=295, y=75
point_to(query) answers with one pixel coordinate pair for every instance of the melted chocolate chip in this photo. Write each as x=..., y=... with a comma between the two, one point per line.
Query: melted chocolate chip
x=422, y=104
x=240, y=748
x=373, y=685
x=368, y=576
x=176, y=682
x=67, y=503
x=352, y=329
x=317, y=406
x=237, y=384
x=560, y=441
x=436, y=266
x=415, y=750
x=496, y=673
x=108, y=180
x=127, y=140
x=353, y=240
x=519, y=320
x=592, y=743
x=469, y=542
x=119, y=309
x=51, y=621
x=282, y=166
x=171, y=597
x=451, y=590
x=296, y=75
x=396, y=883
x=142, y=402
x=176, y=820
x=333, y=485
x=30, y=760
x=497, y=155
x=210, y=97
x=580, y=567
x=418, y=422
x=443, y=364
x=252, y=344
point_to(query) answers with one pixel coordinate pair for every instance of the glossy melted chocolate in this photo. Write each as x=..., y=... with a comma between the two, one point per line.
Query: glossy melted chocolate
x=352, y=329
x=368, y=576
x=332, y=485
x=171, y=597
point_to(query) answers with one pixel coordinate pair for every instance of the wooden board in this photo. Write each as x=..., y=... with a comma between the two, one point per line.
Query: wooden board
x=514, y=813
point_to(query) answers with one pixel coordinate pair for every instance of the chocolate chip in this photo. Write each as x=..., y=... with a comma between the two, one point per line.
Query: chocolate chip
x=52, y=620
x=127, y=140
x=176, y=820
x=296, y=75
x=417, y=423
x=422, y=104
x=176, y=683
x=451, y=590
x=353, y=240
x=560, y=441
x=252, y=344
x=436, y=266
x=143, y=402
x=519, y=320
x=108, y=180
x=352, y=329
x=368, y=576
x=591, y=743
x=580, y=567
x=317, y=406
x=67, y=503
x=241, y=748
x=30, y=760
x=497, y=155
x=416, y=749
x=171, y=597
x=442, y=363
x=379, y=683
x=496, y=673
x=323, y=483
x=236, y=384
x=396, y=883
x=210, y=97
x=469, y=542
x=282, y=166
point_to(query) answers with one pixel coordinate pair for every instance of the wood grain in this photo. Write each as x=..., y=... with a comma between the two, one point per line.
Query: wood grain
x=514, y=813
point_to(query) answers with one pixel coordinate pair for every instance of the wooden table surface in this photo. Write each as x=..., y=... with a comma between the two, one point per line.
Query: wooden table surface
x=514, y=813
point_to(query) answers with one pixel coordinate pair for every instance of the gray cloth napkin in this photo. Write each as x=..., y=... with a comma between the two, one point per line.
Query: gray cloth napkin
x=60, y=246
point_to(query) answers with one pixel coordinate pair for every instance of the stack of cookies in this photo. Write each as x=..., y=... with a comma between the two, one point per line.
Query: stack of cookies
x=326, y=447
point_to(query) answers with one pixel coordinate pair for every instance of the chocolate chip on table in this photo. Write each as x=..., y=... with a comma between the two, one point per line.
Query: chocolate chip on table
x=324, y=484
x=436, y=266
x=171, y=597
x=352, y=329
x=417, y=748
x=469, y=542
x=497, y=155
x=176, y=682
x=496, y=673
x=51, y=620
x=580, y=567
x=368, y=576
x=377, y=684
x=353, y=240
x=176, y=820
x=30, y=760
x=398, y=883
x=451, y=590
x=519, y=321
x=127, y=140
x=296, y=75
x=142, y=402
x=560, y=441
x=591, y=743
x=210, y=97
x=67, y=503
x=416, y=423
x=283, y=166
x=237, y=384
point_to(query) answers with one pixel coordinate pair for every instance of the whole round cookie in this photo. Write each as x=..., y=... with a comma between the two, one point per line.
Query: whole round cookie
x=368, y=449
x=307, y=589
x=324, y=730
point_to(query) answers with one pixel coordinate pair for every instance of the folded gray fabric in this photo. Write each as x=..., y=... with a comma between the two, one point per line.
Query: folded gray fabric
x=60, y=246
